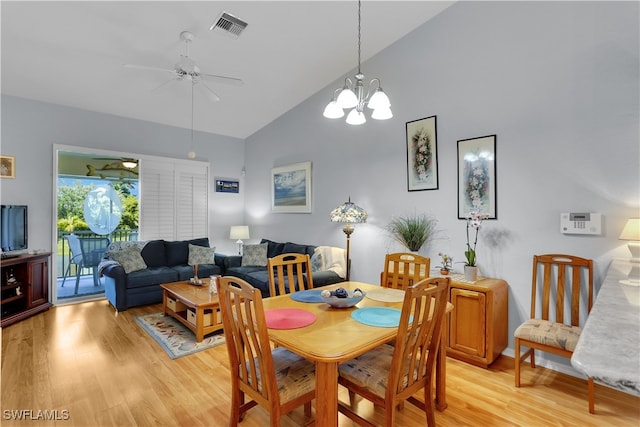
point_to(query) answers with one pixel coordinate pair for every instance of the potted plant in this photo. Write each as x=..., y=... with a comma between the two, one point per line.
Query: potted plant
x=446, y=263
x=412, y=231
x=473, y=222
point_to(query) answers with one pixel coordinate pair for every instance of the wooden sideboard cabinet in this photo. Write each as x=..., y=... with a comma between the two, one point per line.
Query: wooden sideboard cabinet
x=25, y=287
x=478, y=324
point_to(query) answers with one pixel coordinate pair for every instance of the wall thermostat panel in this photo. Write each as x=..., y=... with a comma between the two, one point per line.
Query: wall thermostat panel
x=581, y=223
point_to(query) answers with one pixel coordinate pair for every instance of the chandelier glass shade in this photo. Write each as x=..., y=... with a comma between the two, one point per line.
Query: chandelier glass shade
x=354, y=96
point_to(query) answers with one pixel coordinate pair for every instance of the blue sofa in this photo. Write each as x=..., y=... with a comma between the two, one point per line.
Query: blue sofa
x=166, y=261
x=257, y=275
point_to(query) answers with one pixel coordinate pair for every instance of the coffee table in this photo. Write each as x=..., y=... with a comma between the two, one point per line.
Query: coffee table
x=179, y=297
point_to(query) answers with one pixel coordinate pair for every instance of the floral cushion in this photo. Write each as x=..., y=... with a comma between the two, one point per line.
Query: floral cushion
x=201, y=255
x=129, y=258
x=371, y=370
x=295, y=376
x=254, y=255
x=118, y=245
x=549, y=333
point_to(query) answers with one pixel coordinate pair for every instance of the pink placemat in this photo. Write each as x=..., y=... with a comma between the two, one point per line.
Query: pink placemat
x=288, y=318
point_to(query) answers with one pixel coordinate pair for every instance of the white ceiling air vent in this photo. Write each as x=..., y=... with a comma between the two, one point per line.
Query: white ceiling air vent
x=229, y=25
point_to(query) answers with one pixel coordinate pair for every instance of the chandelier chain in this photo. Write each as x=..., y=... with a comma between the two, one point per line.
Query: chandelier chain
x=359, y=37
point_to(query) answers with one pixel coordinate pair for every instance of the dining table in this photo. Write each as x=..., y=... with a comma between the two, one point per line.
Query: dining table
x=335, y=337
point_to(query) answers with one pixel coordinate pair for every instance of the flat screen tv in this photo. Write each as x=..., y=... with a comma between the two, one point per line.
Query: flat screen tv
x=13, y=227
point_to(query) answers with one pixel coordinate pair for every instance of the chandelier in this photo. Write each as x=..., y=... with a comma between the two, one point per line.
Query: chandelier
x=355, y=96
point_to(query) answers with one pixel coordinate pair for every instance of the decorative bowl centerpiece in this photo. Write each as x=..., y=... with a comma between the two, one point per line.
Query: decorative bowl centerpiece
x=341, y=298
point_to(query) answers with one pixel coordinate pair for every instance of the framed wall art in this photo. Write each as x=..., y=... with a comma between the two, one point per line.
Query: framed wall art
x=7, y=167
x=291, y=188
x=477, y=177
x=422, y=154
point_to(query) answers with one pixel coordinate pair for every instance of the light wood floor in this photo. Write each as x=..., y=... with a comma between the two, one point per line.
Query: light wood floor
x=105, y=370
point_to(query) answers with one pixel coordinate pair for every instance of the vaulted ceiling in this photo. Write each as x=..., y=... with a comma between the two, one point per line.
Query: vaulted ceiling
x=72, y=53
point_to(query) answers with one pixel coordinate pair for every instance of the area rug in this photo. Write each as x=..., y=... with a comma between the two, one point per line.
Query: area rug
x=175, y=338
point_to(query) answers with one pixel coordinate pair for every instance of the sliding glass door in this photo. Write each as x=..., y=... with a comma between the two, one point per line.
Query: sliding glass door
x=97, y=199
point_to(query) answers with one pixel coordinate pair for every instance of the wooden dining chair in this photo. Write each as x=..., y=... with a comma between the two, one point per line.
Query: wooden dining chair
x=559, y=284
x=276, y=379
x=390, y=375
x=403, y=269
x=288, y=273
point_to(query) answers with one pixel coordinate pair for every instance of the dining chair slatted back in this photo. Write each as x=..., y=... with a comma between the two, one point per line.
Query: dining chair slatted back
x=403, y=269
x=278, y=380
x=561, y=284
x=390, y=375
x=288, y=273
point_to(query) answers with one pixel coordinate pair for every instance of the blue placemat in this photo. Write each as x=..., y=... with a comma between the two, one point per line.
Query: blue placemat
x=384, y=317
x=311, y=295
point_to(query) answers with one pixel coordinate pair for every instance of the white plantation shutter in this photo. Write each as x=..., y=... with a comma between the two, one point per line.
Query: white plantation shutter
x=192, y=203
x=173, y=199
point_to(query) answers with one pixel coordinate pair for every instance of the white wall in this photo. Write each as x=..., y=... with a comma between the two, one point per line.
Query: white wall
x=29, y=130
x=557, y=83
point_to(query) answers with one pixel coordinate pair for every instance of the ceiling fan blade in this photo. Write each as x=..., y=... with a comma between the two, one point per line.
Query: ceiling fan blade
x=144, y=67
x=214, y=96
x=222, y=79
x=168, y=82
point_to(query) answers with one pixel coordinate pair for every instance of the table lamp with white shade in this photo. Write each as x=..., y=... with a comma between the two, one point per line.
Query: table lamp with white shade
x=631, y=232
x=239, y=233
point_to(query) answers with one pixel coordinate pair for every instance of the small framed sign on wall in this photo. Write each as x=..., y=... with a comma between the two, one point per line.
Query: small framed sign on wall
x=224, y=185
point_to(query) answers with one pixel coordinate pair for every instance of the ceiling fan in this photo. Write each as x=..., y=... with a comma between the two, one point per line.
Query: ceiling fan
x=187, y=69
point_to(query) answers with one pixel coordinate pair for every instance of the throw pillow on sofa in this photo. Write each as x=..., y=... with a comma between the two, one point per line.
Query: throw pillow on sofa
x=130, y=259
x=254, y=255
x=201, y=255
x=317, y=263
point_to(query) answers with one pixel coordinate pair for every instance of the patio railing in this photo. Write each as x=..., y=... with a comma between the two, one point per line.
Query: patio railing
x=64, y=252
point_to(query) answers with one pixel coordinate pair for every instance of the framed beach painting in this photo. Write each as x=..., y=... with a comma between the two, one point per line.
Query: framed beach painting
x=7, y=167
x=422, y=154
x=291, y=188
x=477, y=177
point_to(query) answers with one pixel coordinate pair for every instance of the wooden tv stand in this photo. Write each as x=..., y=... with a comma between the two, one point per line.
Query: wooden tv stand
x=29, y=293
